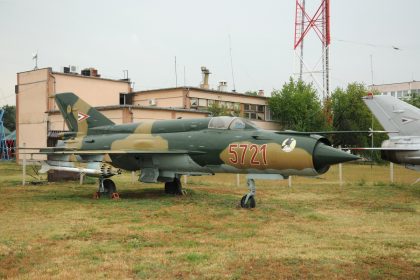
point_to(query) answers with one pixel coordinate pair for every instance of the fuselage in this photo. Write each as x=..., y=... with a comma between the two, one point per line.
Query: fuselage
x=208, y=146
x=402, y=150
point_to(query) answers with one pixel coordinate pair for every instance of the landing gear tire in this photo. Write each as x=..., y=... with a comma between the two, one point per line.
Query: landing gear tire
x=109, y=188
x=174, y=187
x=250, y=203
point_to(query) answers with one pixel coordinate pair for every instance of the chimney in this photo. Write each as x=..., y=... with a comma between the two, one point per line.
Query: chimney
x=91, y=72
x=205, y=72
x=261, y=92
x=222, y=86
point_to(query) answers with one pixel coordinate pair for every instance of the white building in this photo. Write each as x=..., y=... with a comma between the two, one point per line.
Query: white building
x=402, y=90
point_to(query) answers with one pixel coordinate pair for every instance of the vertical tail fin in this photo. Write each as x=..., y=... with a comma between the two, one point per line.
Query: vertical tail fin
x=79, y=116
x=395, y=115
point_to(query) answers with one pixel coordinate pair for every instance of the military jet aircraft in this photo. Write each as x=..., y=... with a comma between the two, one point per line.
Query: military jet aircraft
x=402, y=120
x=167, y=149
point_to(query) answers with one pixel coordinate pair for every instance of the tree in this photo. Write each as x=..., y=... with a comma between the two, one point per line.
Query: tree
x=217, y=110
x=414, y=100
x=9, y=117
x=349, y=114
x=297, y=107
x=251, y=92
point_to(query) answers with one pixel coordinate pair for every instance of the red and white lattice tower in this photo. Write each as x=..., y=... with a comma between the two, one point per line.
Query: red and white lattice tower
x=320, y=24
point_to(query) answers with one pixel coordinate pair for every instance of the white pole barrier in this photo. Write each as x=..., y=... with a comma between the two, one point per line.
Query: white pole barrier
x=237, y=180
x=133, y=177
x=391, y=172
x=82, y=177
x=185, y=179
x=290, y=181
x=24, y=167
x=340, y=173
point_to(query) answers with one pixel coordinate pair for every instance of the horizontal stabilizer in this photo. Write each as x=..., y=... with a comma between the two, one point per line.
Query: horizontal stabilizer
x=382, y=149
x=335, y=132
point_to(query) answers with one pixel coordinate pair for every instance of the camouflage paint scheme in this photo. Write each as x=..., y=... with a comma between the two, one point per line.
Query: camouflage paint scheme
x=168, y=148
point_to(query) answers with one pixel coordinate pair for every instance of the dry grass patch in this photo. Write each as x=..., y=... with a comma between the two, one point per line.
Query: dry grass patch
x=366, y=229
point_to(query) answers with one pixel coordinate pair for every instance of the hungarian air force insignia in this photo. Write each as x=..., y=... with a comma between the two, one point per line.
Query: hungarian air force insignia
x=81, y=116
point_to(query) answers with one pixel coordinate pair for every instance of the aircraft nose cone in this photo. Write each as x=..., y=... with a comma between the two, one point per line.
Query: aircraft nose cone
x=326, y=155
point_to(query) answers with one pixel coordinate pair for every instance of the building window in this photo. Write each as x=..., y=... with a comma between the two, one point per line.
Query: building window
x=126, y=99
x=210, y=102
x=254, y=112
x=202, y=102
x=194, y=102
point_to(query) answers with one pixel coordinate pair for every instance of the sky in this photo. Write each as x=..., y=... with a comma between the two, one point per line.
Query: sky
x=252, y=38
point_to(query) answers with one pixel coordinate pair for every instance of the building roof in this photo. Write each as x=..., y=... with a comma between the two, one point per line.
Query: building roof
x=201, y=89
x=91, y=77
x=76, y=75
x=117, y=107
x=399, y=83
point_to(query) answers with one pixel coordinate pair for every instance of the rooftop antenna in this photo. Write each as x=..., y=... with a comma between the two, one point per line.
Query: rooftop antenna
x=371, y=67
x=125, y=74
x=176, y=75
x=184, y=77
x=35, y=57
x=231, y=63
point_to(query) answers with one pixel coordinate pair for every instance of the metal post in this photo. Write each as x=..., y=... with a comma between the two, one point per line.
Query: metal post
x=24, y=167
x=391, y=172
x=237, y=180
x=290, y=181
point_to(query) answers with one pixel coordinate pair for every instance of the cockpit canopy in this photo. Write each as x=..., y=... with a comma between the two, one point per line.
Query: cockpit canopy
x=233, y=123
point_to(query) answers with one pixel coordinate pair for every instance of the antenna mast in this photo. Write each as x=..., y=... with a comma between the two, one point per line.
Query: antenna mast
x=231, y=64
x=320, y=23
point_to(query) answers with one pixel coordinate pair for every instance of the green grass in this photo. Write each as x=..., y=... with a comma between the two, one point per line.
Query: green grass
x=366, y=229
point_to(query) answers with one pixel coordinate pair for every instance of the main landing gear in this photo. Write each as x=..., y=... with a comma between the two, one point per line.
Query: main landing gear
x=174, y=187
x=106, y=188
x=248, y=200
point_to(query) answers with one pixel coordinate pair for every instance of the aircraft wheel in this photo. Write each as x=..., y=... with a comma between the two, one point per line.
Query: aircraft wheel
x=250, y=203
x=109, y=187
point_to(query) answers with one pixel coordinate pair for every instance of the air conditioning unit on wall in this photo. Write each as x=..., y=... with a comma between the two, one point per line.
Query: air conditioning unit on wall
x=152, y=102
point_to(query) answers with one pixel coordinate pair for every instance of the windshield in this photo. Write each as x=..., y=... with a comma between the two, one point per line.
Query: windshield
x=233, y=123
x=220, y=122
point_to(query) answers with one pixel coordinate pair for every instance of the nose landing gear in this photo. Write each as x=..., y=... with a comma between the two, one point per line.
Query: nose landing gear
x=106, y=188
x=248, y=200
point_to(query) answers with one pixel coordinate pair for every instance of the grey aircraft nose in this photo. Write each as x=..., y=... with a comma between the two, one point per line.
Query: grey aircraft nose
x=325, y=155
